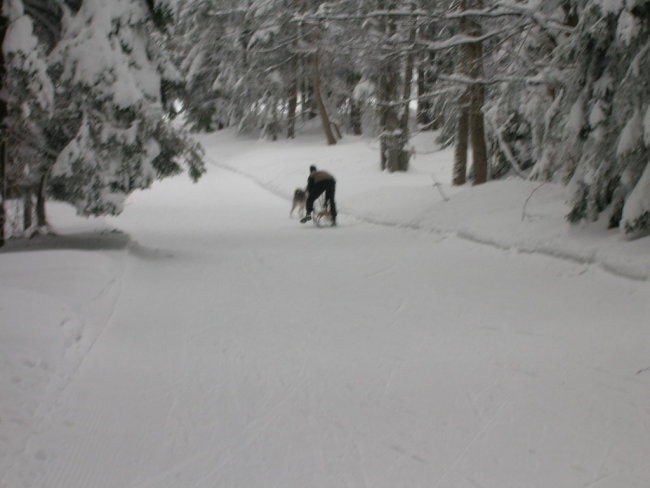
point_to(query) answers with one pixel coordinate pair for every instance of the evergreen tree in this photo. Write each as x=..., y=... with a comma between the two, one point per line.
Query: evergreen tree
x=606, y=149
x=111, y=110
x=29, y=98
x=210, y=39
x=525, y=105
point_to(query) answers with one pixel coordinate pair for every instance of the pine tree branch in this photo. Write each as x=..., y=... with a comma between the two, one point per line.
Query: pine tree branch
x=20, y=137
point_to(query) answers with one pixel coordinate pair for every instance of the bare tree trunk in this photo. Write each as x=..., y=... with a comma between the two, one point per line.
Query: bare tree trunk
x=327, y=126
x=294, y=64
x=471, y=116
x=307, y=91
x=382, y=109
x=3, y=156
x=404, y=156
x=292, y=103
x=477, y=98
x=355, y=117
x=477, y=135
x=423, y=116
x=3, y=115
x=28, y=208
x=41, y=216
x=462, y=131
x=389, y=118
x=393, y=138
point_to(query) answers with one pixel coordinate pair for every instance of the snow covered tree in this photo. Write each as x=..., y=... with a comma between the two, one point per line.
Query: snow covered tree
x=526, y=102
x=253, y=64
x=386, y=54
x=393, y=78
x=28, y=100
x=233, y=59
x=606, y=150
x=111, y=69
x=104, y=130
x=340, y=58
x=210, y=39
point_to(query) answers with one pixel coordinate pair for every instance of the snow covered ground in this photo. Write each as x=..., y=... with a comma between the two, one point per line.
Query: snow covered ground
x=214, y=342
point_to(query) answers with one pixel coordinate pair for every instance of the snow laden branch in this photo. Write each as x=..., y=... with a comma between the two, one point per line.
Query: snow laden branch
x=459, y=40
x=548, y=24
x=465, y=80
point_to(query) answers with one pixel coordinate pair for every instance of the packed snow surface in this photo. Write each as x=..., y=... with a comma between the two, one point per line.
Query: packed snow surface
x=214, y=342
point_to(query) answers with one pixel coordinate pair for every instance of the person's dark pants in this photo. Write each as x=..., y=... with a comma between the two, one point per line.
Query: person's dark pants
x=327, y=186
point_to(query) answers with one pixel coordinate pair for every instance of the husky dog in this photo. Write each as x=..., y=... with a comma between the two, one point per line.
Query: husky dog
x=299, y=201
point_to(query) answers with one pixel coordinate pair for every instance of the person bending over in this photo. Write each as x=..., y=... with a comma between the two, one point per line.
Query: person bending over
x=317, y=183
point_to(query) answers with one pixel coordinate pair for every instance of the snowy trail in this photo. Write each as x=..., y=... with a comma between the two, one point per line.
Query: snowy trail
x=249, y=351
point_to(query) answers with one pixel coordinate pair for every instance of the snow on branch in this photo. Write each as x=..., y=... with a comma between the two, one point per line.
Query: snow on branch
x=466, y=80
x=511, y=10
x=461, y=40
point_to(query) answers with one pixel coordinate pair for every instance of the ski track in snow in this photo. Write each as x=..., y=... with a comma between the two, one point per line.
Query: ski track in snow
x=244, y=350
x=82, y=337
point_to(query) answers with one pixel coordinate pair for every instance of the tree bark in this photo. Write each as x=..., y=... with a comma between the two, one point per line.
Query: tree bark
x=3, y=116
x=3, y=156
x=393, y=138
x=292, y=103
x=389, y=118
x=471, y=116
x=41, y=216
x=327, y=126
x=477, y=135
x=462, y=131
x=355, y=118
x=423, y=116
x=28, y=208
x=404, y=156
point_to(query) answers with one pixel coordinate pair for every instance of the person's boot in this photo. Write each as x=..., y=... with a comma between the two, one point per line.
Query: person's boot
x=306, y=218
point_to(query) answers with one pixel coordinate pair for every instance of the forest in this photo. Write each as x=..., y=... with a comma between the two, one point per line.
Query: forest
x=100, y=98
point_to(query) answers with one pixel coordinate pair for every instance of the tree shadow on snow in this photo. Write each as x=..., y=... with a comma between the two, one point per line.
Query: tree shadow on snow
x=82, y=241
x=113, y=240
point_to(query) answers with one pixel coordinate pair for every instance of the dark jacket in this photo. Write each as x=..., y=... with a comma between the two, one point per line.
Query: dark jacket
x=318, y=177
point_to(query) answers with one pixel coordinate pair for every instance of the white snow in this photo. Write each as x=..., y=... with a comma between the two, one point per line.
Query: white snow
x=576, y=120
x=638, y=202
x=610, y=6
x=223, y=344
x=364, y=90
x=628, y=27
x=631, y=135
x=20, y=48
x=103, y=47
x=597, y=114
x=19, y=37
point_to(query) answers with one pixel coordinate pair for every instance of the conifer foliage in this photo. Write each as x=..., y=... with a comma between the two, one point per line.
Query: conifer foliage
x=105, y=130
x=110, y=57
x=605, y=151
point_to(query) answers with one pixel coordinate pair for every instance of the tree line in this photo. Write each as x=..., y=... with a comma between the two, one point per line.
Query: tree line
x=85, y=112
x=557, y=90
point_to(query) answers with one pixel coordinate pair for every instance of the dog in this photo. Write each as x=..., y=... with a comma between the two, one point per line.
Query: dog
x=323, y=215
x=299, y=202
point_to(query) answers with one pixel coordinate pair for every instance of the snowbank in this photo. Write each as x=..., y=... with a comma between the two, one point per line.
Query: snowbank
x=513, y=214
